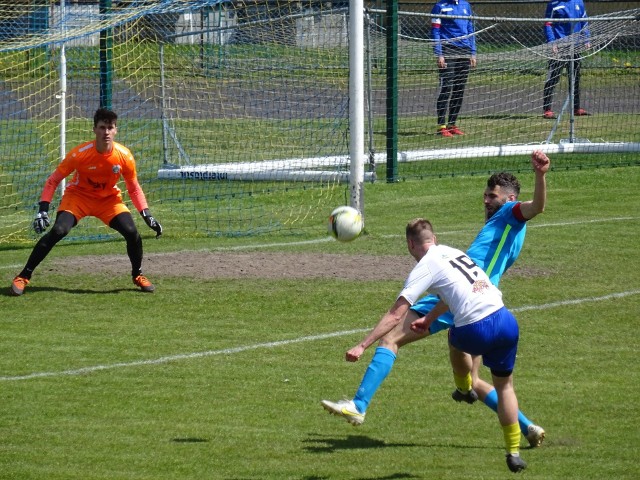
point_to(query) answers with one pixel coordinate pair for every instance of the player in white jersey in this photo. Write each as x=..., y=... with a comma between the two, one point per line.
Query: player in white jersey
x=495, y=249
x=482, y=324
x=474, y=301
x=438, y=272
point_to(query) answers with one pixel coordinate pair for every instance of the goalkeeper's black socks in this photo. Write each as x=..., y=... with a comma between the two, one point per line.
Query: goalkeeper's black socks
x=26, y=273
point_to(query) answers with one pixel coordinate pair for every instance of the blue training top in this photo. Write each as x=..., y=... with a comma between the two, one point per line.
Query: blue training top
x=444, y=29
x=567, y=9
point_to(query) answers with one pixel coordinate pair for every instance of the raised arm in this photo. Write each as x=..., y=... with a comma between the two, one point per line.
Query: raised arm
x=541, y=164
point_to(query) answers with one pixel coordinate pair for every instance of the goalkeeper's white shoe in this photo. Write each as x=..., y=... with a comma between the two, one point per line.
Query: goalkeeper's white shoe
x=345, y=409
x=535, y=435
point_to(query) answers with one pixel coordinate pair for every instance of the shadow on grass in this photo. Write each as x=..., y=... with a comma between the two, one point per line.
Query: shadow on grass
x=331, y=444
x=393, y=476
x=189, y=440
x=325, y=444
x=74, y=291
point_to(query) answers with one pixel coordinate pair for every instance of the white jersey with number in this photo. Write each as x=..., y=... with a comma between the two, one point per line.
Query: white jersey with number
x=451, y=275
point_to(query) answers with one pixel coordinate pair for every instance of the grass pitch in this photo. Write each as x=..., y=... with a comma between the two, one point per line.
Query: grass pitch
x=222, y=379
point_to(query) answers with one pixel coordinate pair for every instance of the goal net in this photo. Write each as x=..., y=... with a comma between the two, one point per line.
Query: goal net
x=502, y=111
x=238, y=112
x=225, y=105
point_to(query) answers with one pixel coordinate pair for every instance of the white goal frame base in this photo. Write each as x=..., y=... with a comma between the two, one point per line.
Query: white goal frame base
x=303, y=170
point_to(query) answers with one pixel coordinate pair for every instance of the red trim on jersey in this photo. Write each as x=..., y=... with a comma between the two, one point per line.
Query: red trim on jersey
x=517, y=212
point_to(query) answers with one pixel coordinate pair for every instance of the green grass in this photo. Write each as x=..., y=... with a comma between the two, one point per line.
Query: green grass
x=254, y=413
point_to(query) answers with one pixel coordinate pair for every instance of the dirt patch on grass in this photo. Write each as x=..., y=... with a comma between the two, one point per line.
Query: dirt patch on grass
x=265, y=265
x=211, y=265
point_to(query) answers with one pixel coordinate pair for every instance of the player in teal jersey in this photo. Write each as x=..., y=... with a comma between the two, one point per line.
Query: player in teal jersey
x=495, y=248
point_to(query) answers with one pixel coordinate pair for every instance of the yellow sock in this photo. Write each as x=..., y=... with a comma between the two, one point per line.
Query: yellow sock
x=462, y=383
x=440, y=127
x=512, y=437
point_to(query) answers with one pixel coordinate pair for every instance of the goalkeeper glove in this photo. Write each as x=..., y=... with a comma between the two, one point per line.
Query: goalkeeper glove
x=41, y=221
x=151, y=222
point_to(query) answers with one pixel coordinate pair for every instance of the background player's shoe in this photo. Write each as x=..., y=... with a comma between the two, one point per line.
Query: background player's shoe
x=581, y=112
x=535, y=435
x=444, y=132
x=548, y=114
x=144, y=283
x=453, y=130
x=515, y=463
x=18, y=285
x=470, y=397
x=345, y=409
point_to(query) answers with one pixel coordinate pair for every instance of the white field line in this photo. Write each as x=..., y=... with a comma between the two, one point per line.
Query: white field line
x=312, y=338
x=581, y=222
x=538, y=225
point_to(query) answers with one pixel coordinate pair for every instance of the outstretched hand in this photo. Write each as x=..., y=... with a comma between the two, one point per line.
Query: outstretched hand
x=354, y=354
x=540, y=161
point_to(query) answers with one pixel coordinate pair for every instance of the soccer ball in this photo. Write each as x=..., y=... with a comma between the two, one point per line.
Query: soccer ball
x=345, y=224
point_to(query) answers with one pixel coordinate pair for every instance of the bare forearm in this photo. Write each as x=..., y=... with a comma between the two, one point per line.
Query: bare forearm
x=541, y=164
x=422, y=324
x=539, y=201
x=388, y=321
x=384, y=326
x=435, y=312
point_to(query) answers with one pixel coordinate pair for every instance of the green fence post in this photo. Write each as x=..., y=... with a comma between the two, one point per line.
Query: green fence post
x=106, y=59
x=391, y=21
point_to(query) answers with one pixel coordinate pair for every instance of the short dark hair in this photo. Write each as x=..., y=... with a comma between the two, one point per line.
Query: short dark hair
x=105, y=115
x=505, y=180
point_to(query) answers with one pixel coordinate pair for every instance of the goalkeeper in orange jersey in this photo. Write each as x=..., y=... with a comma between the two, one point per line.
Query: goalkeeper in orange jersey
x=98, y=166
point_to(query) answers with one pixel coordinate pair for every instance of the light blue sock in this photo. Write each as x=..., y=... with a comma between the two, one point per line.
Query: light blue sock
x=491, y=401
x=377, y=371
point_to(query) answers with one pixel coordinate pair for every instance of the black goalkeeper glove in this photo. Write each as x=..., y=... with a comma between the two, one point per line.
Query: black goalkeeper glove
x=41, y=222
x=151, y=222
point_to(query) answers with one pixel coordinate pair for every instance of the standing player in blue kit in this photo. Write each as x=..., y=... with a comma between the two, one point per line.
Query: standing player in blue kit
x=455, y=47
x=565, y=36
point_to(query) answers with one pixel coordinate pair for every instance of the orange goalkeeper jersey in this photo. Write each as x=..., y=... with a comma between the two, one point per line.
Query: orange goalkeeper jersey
x=97, y=174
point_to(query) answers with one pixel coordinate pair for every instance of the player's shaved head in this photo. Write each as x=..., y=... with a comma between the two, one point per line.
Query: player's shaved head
x=420, y=230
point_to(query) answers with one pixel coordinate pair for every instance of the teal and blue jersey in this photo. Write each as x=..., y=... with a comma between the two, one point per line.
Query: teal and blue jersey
x=494, y=249
x=455, y=33
x=498, y=244
x=569, y=10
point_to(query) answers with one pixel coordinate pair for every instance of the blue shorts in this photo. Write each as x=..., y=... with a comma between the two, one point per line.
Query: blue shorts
x=425, y=305
x=494, y=337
